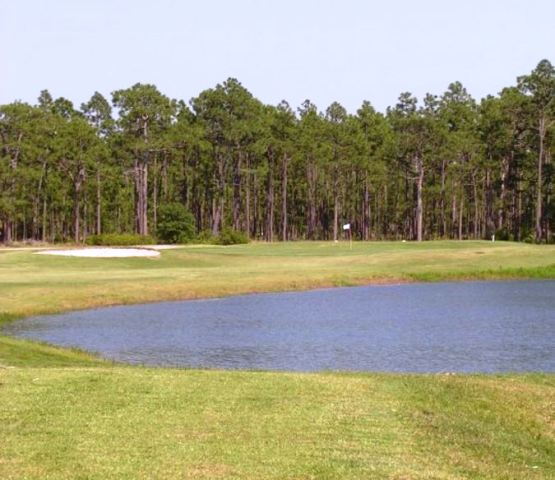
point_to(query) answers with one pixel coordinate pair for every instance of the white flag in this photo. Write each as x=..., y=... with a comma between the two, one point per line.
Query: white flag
x=347, y=226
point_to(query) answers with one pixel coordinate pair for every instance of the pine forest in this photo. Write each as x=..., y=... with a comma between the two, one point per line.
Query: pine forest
x=445, y=166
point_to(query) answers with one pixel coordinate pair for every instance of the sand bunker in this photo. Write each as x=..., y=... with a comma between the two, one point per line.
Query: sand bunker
x=102, y=252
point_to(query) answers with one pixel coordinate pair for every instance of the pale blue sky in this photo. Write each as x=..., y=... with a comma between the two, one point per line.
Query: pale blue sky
x=348, y=50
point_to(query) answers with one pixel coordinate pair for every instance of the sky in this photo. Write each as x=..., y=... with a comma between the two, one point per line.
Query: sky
x=344, y=50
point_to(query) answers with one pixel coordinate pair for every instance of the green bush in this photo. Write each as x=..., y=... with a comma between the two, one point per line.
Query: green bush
x=206, y=237
x=175, y=224
x=503, y=234
x=119, y=239
x=231, y=237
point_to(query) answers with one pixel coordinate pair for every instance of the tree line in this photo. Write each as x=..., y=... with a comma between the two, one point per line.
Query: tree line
x=446, y=167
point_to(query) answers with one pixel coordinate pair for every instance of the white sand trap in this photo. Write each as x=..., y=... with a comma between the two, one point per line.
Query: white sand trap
x=102, y=252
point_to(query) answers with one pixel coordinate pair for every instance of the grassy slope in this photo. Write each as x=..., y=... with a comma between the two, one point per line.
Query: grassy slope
x=91, y=419
x=21, y=353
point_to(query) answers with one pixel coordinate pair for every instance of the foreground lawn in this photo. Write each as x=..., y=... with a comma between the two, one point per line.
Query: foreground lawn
x=117, y=422
x=65, y=414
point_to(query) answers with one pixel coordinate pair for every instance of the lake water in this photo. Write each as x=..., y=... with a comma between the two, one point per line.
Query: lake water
x=432, y=327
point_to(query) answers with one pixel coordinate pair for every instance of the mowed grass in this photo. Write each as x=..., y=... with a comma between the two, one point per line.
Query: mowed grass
x=65, y=414
x=33, y=284
x=128, y=423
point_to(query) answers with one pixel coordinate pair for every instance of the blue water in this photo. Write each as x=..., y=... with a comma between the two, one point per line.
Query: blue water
x=433, y=327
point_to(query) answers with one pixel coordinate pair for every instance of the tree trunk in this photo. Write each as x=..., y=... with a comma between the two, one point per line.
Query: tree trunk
x=78, y=179
x=453, y=214
x=8, y=231
x=256, y=216
x=517, y=208
x=442, y=200
x=37, y=199
x=548, y=228
x=284, y=162
x=44, y=220
x=335, y=213
x=248, y=199
x=76, y=217
x=311, y=180
x=461, y=208
x=489, y=227
x=501, y=210
x=366, y=210
x=217, y=221
x=165, y=177
x=155, y=178
x=475, y=223
x=141, y=182
x=538, y=223
x=217, y=218
x=270, y=199
x=85, y=218
x=385, y=209
x=419, y=208
x=141, y=191
x=236, y=211
x=98, y=217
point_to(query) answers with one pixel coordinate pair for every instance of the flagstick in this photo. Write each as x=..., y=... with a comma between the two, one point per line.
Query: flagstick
x=347, y=226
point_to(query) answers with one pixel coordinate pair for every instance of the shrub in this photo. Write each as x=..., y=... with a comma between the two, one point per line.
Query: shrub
x=175, y=224
x=119, y=239
x=503, y=234
x=231, y=237
x=206, y=237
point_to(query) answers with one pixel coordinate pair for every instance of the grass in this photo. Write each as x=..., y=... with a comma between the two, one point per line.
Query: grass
x=65, y=414
x=22, y=353
x=36, y=284
x=117, y=422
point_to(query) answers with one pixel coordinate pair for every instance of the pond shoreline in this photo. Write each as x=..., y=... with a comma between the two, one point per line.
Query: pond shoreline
x=507, y=276
x=419, y=327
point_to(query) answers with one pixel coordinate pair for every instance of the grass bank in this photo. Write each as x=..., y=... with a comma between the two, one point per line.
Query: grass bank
x=65, y=414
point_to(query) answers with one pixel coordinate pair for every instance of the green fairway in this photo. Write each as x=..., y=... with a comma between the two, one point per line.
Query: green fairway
x=66, y=414
x=31, y=284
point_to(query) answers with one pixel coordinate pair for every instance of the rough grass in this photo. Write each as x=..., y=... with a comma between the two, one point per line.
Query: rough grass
x=65, y=414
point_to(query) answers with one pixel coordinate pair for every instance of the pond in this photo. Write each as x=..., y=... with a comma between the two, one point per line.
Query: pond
x=429, y=327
